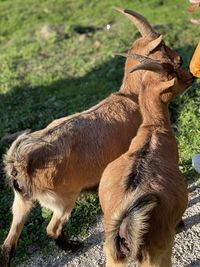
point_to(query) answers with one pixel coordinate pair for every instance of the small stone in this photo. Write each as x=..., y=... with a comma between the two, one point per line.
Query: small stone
x=195, y=21
x=82, y=37
x=46, y=10
x=97, y=44
x=47, y=31
x=108, y=26
x=196, y=162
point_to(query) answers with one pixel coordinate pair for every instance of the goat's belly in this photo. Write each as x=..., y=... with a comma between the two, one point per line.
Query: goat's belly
x=50, y=200
x=90, y=183
x=90, y=169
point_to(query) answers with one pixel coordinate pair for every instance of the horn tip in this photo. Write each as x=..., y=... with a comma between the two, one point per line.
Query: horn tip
x=132, y=70
x=121, y=54
x=116, y=54
x=119, y=9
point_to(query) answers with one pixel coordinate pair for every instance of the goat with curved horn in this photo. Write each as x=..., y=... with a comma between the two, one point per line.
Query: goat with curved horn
x=139, y=21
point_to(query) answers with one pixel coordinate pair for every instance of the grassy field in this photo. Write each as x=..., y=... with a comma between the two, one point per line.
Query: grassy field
x=56, y=58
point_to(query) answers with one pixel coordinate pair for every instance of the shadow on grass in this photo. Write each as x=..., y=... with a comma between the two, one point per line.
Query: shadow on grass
x=33, y=107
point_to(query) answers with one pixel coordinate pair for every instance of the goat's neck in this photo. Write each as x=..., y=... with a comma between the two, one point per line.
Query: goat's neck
x=155, y=115
x=130, y=86
x=156, y=130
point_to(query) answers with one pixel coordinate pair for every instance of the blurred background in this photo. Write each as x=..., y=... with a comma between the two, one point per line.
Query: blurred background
x=56, y=58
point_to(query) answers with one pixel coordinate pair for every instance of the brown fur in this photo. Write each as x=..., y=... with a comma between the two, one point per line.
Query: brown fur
x=53, y=165
x=142, y=193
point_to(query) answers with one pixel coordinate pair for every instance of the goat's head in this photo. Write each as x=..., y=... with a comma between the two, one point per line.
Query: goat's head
x=151, y=44
x=167, y=80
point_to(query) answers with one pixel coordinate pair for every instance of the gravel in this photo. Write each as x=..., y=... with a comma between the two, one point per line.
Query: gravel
x=186, y=252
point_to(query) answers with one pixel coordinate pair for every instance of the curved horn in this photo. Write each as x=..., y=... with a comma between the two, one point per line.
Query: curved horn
x=139, y=21
x=148, y=65
x=134, y=56
x=137, y=56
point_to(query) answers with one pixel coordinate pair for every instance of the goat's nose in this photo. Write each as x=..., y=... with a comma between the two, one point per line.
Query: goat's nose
x=185, y=75
x=193, y=79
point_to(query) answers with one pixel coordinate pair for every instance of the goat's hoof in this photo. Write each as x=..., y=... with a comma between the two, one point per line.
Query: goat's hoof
x=4, y=257
x=75, y=245
x=66, y=244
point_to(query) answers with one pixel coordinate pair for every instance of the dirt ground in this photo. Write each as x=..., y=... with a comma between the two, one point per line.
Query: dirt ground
x=186, y=252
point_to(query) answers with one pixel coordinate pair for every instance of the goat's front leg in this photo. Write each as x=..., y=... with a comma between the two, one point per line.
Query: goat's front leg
x=61, y=214
x=20, y=210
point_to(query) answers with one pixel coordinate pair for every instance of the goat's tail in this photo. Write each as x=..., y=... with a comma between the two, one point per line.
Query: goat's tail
x=125, y=234
x=16, y=164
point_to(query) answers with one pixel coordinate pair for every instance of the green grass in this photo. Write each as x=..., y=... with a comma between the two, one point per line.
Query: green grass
x=43, y=79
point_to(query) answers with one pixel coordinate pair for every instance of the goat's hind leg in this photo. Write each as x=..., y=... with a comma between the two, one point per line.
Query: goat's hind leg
x=61, y=214
x=20, y=210
x=110, y=261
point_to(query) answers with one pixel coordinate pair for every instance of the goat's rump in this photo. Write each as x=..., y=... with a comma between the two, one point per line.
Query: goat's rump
x=126, y=229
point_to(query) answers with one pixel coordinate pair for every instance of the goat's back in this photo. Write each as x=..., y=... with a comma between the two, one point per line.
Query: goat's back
x=77, y=147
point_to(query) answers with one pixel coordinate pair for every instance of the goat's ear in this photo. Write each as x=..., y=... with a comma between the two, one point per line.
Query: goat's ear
x=167, y=91
x=154, y=44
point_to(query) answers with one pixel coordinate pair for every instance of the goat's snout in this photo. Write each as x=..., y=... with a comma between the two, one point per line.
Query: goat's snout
x=185, y=76
x=192, y=79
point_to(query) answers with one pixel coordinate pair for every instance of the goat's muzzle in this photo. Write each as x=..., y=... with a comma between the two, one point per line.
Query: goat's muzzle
x=191, y=80
x=186, y=76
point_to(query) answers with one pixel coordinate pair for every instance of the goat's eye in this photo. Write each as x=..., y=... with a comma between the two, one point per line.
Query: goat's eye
x=14, y=173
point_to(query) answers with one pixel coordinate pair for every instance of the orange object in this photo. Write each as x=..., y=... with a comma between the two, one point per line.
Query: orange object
x=195, y=62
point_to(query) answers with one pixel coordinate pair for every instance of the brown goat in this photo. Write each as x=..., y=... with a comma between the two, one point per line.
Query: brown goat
x=54, y=165
x=142, y=193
